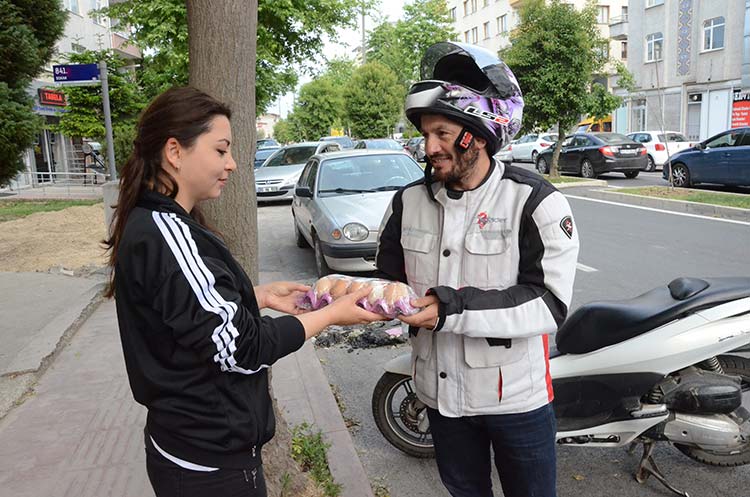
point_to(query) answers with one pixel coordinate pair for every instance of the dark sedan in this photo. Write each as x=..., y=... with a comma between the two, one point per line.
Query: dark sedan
x=262, y=154
x=592, y=154
x=723, y=159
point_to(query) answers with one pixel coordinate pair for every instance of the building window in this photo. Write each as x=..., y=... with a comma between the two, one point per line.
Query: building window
x=77, y=48
x=713, y=33
x=72, y=5
x=651, y=3
x=624, y=12
x=654, y=43
x=474, y=35
x=486, y=3
x=486, y=27
x=639, y=115
x=602, y=14
x=96, y=5
x=466, y=8
x=466, y=37
x=502, y=24
x=624, y=50
x=453, y=14
x=473, y=6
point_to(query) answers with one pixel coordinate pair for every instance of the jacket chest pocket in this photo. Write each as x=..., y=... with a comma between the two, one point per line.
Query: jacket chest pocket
x=418, y=256
x=487, y=258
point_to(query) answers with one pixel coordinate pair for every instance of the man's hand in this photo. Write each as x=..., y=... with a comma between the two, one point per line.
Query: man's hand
x=281, y=296
x=427, y=317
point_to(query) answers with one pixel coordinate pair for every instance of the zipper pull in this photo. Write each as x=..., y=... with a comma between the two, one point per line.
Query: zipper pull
x=245, y=473
x=255, y=473
x=253, y=450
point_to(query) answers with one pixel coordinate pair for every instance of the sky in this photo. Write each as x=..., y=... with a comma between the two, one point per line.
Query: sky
x=348, y=41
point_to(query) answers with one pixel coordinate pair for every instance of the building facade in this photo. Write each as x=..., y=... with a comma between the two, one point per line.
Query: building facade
x=687, y=58
x=53, y=153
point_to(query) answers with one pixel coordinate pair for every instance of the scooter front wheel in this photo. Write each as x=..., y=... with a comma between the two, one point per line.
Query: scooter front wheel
x=400, y=416
x=735, y=366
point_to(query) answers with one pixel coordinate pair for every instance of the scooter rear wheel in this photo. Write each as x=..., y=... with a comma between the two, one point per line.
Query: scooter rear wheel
x=396, y=409
x=737, y=366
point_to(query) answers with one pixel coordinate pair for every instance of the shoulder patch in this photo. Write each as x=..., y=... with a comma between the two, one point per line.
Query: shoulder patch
x=566, y=224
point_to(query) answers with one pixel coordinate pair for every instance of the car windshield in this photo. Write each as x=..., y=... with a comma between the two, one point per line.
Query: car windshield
x=382, y=144
x=613, y=138
x=673, y=137
x=550, y=138
x=291, y=155
x=366, y=173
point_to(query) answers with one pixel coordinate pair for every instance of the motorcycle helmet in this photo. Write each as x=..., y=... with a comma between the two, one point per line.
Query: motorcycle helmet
x=471, y=86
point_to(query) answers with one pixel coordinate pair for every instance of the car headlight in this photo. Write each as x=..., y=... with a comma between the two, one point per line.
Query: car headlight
x=356, y=232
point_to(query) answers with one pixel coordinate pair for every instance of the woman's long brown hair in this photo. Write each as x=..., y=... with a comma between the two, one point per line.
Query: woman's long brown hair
x=182, y=113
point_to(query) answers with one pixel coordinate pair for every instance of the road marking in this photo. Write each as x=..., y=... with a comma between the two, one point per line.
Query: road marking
x=585, y=268
x=732, y=221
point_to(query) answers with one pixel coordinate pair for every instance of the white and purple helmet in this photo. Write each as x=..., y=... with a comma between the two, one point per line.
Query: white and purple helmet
x=471, y=86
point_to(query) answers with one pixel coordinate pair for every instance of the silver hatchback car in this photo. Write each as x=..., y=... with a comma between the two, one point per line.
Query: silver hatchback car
x=340, y=201
x=275, y=179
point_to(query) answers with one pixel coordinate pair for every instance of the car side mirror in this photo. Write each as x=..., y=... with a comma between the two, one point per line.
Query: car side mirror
x=700, y=146
x=303, y=191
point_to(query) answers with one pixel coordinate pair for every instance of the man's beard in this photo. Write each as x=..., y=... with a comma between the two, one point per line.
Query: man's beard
x=463, y=165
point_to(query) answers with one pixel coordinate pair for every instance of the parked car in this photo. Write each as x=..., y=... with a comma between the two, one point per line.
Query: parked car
x=592, y=154
x=341, y=199
x=505, y=155
x=528, y=147
x=659, y=146
x=344, y=141
x=415, y=148
x=262, y=154
x=379, y=143
x=266, y=142
x=722, y=159
x=276, y=178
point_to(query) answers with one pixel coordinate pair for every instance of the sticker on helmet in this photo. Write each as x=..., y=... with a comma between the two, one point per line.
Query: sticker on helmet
x=567, y=226
x=484, y=114
x=465, y=140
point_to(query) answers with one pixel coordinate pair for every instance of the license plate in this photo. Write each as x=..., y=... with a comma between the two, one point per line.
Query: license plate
x=628, y=151
x=267, y=189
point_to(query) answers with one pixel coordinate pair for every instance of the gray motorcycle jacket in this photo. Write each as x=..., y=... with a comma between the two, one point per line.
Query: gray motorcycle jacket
x=502, y=260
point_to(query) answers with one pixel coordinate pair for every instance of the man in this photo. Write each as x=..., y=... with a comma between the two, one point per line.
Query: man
x=494, y=250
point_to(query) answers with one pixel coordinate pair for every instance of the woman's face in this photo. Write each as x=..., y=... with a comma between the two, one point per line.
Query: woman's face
x=203, y=169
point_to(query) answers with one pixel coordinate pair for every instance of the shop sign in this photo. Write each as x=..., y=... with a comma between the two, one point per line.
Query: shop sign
x=741, y=110
x=52, y=97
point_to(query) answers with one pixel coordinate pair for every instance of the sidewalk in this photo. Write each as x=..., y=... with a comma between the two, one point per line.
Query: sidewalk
x=80, y=433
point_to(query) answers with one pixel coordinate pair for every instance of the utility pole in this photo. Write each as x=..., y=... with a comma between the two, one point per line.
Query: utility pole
x=107, y=120
x=363, y=49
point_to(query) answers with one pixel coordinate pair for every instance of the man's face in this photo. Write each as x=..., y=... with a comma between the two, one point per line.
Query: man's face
x=448, y=165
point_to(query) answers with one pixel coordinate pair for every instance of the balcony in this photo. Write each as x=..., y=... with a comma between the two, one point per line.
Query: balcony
x=515, y=3
x=121, y=44
x=618, y=27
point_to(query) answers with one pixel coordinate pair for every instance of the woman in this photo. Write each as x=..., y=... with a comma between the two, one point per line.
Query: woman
x=196, y=348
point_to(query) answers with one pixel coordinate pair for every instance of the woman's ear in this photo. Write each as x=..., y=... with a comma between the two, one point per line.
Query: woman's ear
x=172, y=154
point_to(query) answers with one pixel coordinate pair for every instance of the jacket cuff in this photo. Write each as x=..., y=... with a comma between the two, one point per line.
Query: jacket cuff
x=441, y=292
x=293, y=334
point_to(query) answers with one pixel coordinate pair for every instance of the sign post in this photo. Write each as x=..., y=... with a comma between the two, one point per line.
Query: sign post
x=86, y=75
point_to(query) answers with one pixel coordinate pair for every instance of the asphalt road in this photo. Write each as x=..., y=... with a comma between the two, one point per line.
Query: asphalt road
x=624, y=252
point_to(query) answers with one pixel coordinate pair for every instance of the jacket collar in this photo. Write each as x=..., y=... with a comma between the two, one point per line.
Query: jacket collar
x=444, y=195
x=156, y=201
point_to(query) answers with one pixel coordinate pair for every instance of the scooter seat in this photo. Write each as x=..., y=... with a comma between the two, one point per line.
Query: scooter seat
x=600, y=324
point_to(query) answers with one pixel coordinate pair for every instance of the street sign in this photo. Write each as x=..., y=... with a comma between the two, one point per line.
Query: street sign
x=76, y=73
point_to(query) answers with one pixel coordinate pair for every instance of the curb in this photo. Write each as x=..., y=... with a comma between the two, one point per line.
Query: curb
x=576, y=184
x=684, y=206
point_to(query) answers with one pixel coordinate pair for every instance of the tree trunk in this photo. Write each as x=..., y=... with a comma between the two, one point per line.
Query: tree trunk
x=222, y=38
x=554, y=171
x=222, y=47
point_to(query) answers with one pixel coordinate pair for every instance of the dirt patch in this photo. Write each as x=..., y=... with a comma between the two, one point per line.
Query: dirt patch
x=67, y=239
x=377, y=334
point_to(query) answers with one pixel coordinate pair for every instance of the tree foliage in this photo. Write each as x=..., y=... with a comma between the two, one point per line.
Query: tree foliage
x=85, y=116
x=555, y=54
x=28, y=32
x=319, y=106
x=373, y=101
x=290, y=34
x=282, y=131
x=400, y=45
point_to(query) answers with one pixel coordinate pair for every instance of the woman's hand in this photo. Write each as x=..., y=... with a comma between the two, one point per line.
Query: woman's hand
x=427, y=317
x=281, y=296
x=345, y=311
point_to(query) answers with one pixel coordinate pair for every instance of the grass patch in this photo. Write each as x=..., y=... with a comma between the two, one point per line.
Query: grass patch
x=309, y=450
x=700, y=196
x=16, y=209
x=565, y=179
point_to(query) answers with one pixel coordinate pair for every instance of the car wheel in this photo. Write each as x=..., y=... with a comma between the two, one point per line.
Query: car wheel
x=321, y=266
x=587, y=169
x=680, y=175
x=651, y=166
x=299, y=238
x=534, y=155
x=631, y=174
x=541, y=165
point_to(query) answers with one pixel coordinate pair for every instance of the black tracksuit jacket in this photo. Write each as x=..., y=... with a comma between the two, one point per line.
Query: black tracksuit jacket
x=196, y=348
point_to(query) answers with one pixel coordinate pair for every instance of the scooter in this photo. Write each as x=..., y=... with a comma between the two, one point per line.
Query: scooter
x=655, y=368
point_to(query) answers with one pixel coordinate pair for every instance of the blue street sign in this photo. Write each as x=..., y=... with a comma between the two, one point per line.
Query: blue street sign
x=76, y=72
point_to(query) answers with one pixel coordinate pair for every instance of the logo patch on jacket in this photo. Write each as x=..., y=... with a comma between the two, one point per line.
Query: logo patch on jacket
x=567, y=226
x=483, y=220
